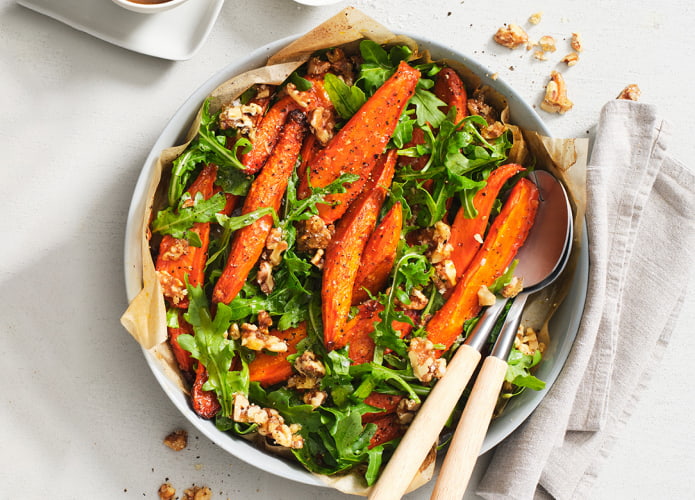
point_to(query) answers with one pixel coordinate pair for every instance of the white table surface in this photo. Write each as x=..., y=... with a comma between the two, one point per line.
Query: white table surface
x=82, y=415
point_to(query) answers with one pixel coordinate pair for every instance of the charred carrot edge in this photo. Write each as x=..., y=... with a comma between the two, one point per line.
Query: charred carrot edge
x=344, y=252
x=467, y=234
x=378, y=256
x=449, y=87
x=267, y=190
x=388, y=428
x=507, y=234
x=387, y=402
x=182, y=356
x=269, y=369
x=205, y=403
x=268, y=134
x=355, y=148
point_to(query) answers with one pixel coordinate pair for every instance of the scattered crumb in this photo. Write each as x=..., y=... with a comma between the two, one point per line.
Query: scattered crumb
x=630, y=93
x=535, y=18
x=495, y=76
x=576, y=42
x=166, y=492
x=540, y=55
x=177, y=440
x=511, y=36
x=571, y=59
x=197, y=493
x=547, y=43
x=555, y=100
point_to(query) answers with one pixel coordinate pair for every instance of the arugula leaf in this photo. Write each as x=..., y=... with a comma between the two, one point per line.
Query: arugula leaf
x=427, y=107
x=519, y=370
x=346, y=99
x=177, y=223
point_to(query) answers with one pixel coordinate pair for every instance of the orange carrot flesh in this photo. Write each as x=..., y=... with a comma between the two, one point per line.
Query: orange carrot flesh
x=205, y=403
x=378, y=256
x=182, y=356
x=357, y=145
x=388, y=428
x=269, y=369
x=467, y=234
x=266, y=190
x=449, y=87
x=507, y=234
x=268, y=134
x=387, y=402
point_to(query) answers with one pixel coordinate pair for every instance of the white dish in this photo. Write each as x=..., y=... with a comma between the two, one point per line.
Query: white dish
x=176, y=34
x=564, y=323
x=148, y=8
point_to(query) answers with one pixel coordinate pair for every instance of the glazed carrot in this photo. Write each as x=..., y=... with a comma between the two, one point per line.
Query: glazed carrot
x=344, y=252
x=467, y=234
x=176, y=258
x=183, y=357
x=387, y=402
x=378, y=256
x=267, y=134
x=357, y=145
x=267, y=190
x=449, y=87
x=269, y=369
x=507, y=233
x=388, y=428
x=205, y=403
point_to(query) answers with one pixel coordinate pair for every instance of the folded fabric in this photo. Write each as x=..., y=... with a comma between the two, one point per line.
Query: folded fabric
x=641, y=228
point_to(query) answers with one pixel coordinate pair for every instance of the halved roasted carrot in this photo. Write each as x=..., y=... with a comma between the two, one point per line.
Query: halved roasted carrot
x=267, y=190
x=387, y=402
x=378, y=256
x=357, y=145
x=183, y=357
x=270, y=369
x=449, y=87
x=267, y=134
x=506, y=235
x=205, y=403
x=467, y=234
x=344, y=252
x=388, y=428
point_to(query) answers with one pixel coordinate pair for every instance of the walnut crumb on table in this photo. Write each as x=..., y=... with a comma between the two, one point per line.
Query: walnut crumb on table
x=555, y=100
x=630, y=93
x=177, y=440
x=535, y=18
x=511, y=36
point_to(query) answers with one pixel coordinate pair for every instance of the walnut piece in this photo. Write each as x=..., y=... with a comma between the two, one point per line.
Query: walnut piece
x=166, y=492
x=555, y=100
x=526, y=341
x=571, y=59
x=547, y=43
x=406, y=410
x=631, y=93
x=485, y=296
x=513, y=288
x=257, y=337
x=242, y=117
x=426, y=365
x=535, y=18
x=197, y=493
x=177, y=440
x=270, y=422
x=511, y=36
x=313, y=234
x=172, y=287
x=576, y=42
x=322, y=123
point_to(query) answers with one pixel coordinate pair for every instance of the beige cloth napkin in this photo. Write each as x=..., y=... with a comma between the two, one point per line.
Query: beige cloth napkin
x=641, y=228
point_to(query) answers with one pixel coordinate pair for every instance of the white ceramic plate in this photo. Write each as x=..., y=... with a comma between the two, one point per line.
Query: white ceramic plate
x=564, y=324
x=176, y=34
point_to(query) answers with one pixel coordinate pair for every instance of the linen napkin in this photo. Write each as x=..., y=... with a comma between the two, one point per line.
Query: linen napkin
x=641, y=229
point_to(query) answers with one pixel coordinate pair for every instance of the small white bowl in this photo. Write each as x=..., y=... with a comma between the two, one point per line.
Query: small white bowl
x=148, y=8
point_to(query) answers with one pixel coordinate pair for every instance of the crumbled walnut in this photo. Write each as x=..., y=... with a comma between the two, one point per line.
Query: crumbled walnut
x=239, y=116
x=513, y=288
x=322, y=123
x=197, y=493
x=511, y=36
x=477, y=237
x=310, y=371
x=317, y=66
x=270, y=258
x=555, y=100
x=526, y=341
x=177, y=250
x=313, y=234
x=571, y=59
x=341, y=65
x=309, y=364
x=631, y=93
x=446, y=274
x=276, y=245
x=256, y=338
x=426, y=366
x=540, y=55
x=166, y=492
x=576, y=42
x=172, y=287
x=270, y=422
x=547, y=43
x=493, y=131
x=317, y=259
x=535, y=18
x=494, y=76
x=234, y=333
x=418, y=301
x=177, y=440
x=264, y=277
x=477, y=106
x=302, y=382
x=406, y=410
x=485, y=296
x=314, y=398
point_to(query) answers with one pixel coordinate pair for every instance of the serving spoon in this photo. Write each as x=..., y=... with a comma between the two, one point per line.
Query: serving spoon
x=541, y=259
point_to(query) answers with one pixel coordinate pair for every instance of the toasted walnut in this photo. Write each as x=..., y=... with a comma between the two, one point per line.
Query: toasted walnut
x=177, y=440
x=172, y=287
x=485, y=296
x=264, y=277
x=310, y=371
x=256, y=339
x=242, y=117
x=234, y=332
x=309, y=364
x=166, y=492
x=576, y=42
x=317, y=66
x=197, y=493
x=418, y=301
x=535, y=18
x=423, y=359
x=477, y=106
x=631, y=93
x=313, y=234
x=318, y=259
x=177, y=250
x=547, y=43
x=341, y=65
x=302, y=382
x=513, y=288
x=275, y=245
x=314, y=398
x=446, y=274
x=511, y=36
x=436, y=239
x=571, y=59
x=555, y=100
x=493, y=131
x=526, y=341
x=270, y=422
x=540, y=55
x=322, y=123
x=406, y=410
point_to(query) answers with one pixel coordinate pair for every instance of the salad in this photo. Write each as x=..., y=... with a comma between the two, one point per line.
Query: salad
x=326, y=244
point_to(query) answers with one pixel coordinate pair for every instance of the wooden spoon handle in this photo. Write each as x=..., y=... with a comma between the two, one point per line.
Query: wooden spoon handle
x=425, y=428
x=468, y=438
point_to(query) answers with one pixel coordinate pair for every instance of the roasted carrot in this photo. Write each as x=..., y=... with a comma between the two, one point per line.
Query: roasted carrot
x=183, y=357
x=387, y=402
x=267, y=134
x=378, y=256
x=449, y=87
x=357, y=145
x=205, y=403
x=269, y=369
x=344, y=252
x=388, y=428
x=507, y=233
x=467, y=234
x=266, y=190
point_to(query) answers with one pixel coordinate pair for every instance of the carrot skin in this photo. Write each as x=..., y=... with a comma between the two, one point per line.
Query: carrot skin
x=269, y=369
x=507, y=233
x=388, y=427
x=205, y=403
x=449, y=87
x=266, y=190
